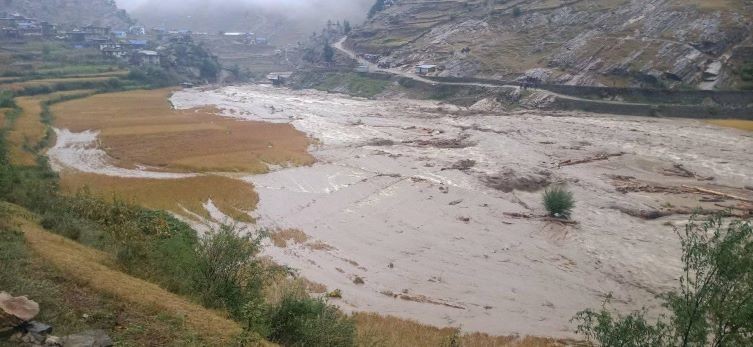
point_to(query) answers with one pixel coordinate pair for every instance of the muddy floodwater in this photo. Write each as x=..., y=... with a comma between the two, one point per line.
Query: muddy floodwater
x=433, y=212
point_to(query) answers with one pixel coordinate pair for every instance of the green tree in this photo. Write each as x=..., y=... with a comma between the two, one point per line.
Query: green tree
x=377, y=7
x=346, y=27
x=329, y=53
x=713, y=305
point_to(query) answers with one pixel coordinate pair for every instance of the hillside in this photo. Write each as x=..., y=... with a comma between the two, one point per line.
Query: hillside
x=657, y=43
x=69, y=13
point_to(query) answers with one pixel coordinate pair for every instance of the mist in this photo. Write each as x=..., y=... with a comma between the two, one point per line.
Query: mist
x=284, y=18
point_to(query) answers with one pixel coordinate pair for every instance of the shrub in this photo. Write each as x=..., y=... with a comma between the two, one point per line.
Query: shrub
x=228, y=272
x=713, y=305
x=559, y=202
x=310, y=322
x=6, y=99
x=516, y=12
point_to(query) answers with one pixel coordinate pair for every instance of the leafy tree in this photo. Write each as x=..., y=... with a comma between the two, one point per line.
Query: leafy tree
x=713, y=305
x=377, y=7
x=746, y=73
x=329, y=53
x=347, y=27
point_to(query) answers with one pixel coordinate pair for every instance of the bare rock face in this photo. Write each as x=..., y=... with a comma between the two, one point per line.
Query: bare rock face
x=15, y=311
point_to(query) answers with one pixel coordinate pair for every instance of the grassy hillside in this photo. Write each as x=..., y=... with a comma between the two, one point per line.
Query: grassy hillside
x=655, y=43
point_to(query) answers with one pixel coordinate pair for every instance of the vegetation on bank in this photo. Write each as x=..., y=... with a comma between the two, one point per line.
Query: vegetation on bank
x=71, y=308
x=713, y=305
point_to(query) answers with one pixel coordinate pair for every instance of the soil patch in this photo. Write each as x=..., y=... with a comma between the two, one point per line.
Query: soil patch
x=509, y=180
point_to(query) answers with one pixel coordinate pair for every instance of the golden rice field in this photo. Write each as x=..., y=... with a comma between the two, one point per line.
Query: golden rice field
x=141, y=128
x=28, y=129
x=378, y=330
x=734, y=123
x=184, y=196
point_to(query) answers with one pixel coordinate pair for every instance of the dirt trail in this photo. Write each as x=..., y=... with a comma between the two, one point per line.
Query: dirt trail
x=92, y=268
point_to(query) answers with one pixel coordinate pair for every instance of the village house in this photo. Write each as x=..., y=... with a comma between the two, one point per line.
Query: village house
x=110, y=45
x=137, y=44
x=425, y=69
x=144, y=57
x=96, y=30
x=137, y=30
x=116, y=53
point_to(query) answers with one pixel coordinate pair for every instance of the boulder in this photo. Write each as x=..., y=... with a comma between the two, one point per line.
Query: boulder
x=14, y=311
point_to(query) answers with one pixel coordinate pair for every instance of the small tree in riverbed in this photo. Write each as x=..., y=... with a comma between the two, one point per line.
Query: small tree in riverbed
x=713, y=305
x=559, y=202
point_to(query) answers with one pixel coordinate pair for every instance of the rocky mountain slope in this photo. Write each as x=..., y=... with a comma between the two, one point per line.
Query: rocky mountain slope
x=69, y=13
x=660, y=43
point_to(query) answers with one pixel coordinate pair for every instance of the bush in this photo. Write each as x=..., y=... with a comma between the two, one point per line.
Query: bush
x=6, y=99
x=228, y=274
x=713, y=305
x=559, y=202
x=310, y=322
x=516, y=12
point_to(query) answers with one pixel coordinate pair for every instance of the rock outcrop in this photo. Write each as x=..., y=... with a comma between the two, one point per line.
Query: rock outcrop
x=651, y=43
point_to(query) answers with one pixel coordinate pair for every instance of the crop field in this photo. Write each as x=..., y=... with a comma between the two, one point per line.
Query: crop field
x=184, y=196
x=734, y=123
x=27, y=131
x=139, y=128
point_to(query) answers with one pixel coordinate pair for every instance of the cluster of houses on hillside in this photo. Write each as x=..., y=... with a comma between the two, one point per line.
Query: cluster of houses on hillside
x=130, y=44
x=18, y=26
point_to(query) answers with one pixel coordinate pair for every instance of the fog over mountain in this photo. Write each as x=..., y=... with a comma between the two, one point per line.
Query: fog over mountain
x=282, y=18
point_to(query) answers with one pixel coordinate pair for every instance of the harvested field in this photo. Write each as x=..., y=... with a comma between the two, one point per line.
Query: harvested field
x=454, y=235
x=27, y=131
x=734, y=123
x=139, y=128
x=377, y=330
x=232, y=197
